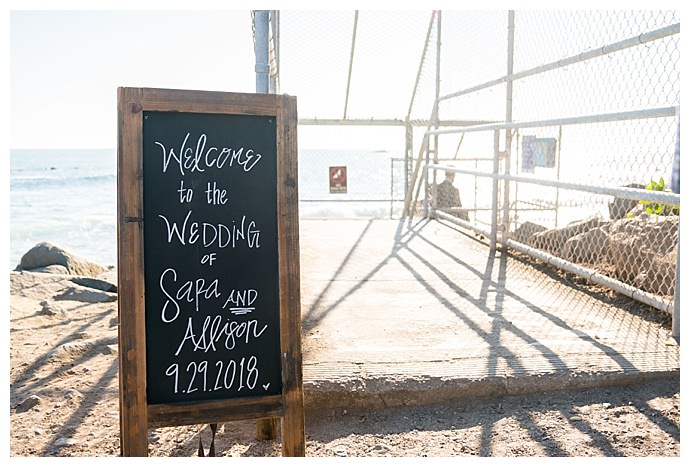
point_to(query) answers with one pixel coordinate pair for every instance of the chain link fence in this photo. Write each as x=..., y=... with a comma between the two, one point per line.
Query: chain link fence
x=356, y=77
x=576, y=167
x=560, y=128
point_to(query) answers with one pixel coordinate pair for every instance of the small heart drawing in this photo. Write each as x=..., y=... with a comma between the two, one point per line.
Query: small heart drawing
x=266, y=386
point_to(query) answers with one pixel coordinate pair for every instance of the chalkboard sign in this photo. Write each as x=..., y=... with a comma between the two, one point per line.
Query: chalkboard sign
x=211, y=256
x=208, y=263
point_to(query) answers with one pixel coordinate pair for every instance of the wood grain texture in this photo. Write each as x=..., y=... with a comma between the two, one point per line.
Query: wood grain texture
x=136, y=415
x=131, y=331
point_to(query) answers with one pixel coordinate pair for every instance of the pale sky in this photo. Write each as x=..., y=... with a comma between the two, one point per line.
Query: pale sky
x=66, y=62
x=66, y=66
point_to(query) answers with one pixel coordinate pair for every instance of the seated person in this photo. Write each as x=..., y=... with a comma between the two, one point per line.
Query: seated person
x=448, y=197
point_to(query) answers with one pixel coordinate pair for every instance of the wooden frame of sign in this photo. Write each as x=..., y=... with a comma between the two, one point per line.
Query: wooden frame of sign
x=208, y=263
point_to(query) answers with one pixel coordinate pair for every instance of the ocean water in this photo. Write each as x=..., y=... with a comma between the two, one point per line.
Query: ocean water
x=65, y=197
x=69, y=197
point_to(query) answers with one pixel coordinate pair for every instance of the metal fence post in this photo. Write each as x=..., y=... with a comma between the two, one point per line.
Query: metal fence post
x=675, y=318
x=266, y=428
x=505, y=226
x=261, y=50
x=675, y=183
x=494, y=188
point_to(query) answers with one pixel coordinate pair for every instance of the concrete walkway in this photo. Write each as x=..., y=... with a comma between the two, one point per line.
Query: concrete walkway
x=415, y=311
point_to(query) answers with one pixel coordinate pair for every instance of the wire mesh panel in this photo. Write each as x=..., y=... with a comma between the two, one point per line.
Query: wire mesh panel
x=351, y=64
x=560, y=126
x=586, y=104
x=350, y=183
x=355, y=75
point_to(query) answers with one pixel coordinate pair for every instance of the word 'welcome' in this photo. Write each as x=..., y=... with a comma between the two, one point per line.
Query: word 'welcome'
x=199, y=159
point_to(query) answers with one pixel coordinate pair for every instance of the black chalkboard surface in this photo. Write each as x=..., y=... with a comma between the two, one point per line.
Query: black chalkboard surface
x=211, y=256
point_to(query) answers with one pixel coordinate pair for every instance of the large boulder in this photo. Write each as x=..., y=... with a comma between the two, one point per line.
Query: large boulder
x=524, y=233
x=639, y=249
x=643, y=251
x=620, y=207
x=587, y=247
x=657, y=233
x=659, y=277
x=553, y=240
x=46, y=255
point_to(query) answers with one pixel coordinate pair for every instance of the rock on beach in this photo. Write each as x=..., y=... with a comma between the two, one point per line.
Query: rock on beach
x=52, y=274
x=46, y=257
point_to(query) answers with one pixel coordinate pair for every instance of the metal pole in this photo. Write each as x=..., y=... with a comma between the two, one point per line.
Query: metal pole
x=352, y=58
x=675, y=316
x=261, y=50
x=274, y=51
x=675, y=182
x=435, y=117
x=437, y=91
x=505, y=227
x=494, y=189
x=266, y=428
x=425, y=174
x=409, y=185
x=658, y=112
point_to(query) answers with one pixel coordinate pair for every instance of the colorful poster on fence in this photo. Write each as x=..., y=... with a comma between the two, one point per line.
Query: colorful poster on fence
x=538, y=152
x=337, y=178
x=544, y=152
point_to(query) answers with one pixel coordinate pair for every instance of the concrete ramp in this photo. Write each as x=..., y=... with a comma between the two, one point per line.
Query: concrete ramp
x=399, y=312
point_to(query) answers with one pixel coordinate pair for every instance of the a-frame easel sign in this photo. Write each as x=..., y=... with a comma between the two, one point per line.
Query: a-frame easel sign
x=208, y=262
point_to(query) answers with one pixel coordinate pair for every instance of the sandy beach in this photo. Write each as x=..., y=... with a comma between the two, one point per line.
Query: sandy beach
x=64, y=401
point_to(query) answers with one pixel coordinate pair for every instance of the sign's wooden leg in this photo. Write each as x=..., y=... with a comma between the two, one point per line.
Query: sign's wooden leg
x=267, y=428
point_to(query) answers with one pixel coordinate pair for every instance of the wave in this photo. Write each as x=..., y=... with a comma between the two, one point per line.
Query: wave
x=35, y=181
